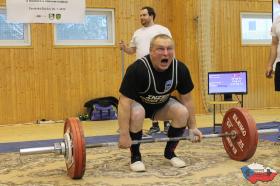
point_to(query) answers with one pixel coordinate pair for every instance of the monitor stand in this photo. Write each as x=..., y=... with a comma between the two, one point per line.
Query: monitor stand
x=227, y=97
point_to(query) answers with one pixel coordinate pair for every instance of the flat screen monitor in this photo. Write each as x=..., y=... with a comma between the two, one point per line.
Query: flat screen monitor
x=230, y=82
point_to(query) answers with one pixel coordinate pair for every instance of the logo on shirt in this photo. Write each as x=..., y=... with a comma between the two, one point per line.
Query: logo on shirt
x=168, y=85
x=151, y=99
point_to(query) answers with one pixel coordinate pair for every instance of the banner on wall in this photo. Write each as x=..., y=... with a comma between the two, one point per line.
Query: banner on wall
x=45, y=11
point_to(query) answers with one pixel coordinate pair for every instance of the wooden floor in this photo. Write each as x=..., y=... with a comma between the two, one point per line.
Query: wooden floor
x=30, y=132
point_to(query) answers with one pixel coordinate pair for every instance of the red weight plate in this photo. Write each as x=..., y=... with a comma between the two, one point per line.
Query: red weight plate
x=243, y=146
x=76, y=167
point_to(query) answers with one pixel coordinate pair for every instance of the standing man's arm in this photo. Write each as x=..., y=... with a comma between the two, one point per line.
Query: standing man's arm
x=128, y=50
x=186, y=100
x=124, y=108
x=273, y=55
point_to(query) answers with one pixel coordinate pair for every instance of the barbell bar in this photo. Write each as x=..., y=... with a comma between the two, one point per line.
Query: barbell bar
x=59, y=148
x=239, y=135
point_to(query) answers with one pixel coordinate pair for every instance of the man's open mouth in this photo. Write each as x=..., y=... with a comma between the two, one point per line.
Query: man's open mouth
x=164, y=61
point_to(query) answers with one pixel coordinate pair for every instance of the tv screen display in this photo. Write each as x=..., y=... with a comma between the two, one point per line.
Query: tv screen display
x=275, y=9
x=233, y=82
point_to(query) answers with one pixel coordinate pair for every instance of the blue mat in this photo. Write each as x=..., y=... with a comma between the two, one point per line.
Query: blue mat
x=15, y=146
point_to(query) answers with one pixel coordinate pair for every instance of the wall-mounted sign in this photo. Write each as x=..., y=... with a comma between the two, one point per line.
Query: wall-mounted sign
x=45, y=11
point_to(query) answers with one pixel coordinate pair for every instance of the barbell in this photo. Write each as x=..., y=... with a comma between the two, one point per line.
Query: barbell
x=239, y=135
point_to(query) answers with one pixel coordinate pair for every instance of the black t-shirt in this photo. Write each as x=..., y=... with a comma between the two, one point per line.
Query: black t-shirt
x=149, y=87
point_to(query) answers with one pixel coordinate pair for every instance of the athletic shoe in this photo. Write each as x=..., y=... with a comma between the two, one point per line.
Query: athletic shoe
x=138, y=166
x=177, y=162
x=166, y=126
x=153, y=130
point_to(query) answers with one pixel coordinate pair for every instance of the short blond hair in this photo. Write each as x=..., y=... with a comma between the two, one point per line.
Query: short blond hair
x=162, y=36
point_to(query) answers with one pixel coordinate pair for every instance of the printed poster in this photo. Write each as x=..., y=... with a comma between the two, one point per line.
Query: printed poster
x=45, y=11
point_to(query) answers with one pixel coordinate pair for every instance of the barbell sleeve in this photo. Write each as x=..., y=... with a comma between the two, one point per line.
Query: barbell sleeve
x=37, y=150
x=268, y=131
x=57, y=148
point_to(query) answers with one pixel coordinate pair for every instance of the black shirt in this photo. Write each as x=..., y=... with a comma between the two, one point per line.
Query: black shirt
x=151, y=88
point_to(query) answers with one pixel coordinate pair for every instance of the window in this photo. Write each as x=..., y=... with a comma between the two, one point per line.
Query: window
x=255, y=28
x=98, y=29
x=13, y=34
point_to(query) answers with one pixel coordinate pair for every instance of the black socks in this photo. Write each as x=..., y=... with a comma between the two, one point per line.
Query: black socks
x=155, y=124
x=135, y=149
x=169, y=148
x=171, y=145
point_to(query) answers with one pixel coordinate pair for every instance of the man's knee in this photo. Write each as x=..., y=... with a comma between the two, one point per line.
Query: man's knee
x=136, y=120
x=137, y=114
x=182, y=116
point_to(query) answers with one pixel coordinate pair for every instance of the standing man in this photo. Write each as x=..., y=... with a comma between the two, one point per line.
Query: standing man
x=274, y=59
x=145, y=93
x=140, y=44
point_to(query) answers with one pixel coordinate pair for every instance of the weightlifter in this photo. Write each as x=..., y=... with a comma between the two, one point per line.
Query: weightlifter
x=140, y=44
x=145, y=93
